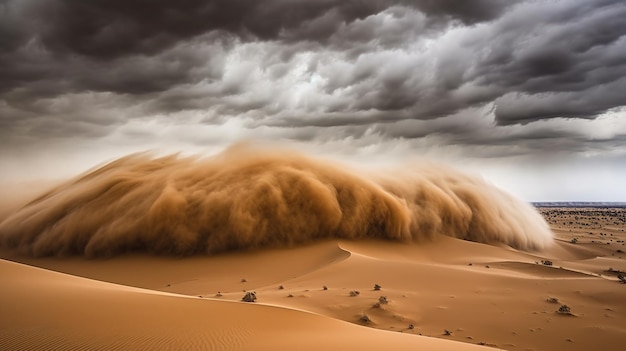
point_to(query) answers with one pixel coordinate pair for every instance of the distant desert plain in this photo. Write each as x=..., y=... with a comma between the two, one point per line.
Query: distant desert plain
x=437, y=293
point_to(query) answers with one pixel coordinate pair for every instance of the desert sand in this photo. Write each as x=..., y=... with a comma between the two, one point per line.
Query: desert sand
x=479, y=294
x=157, y=254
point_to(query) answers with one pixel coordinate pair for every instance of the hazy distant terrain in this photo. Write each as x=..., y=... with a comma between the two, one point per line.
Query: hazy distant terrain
x=581, y=204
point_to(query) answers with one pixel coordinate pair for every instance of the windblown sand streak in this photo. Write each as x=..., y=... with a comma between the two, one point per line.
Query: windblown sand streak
x=247, y=198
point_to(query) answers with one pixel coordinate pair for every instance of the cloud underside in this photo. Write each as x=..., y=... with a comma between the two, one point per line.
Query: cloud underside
x=474, y=73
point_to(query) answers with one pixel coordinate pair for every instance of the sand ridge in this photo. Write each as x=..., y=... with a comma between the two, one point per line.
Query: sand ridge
x=52, y=310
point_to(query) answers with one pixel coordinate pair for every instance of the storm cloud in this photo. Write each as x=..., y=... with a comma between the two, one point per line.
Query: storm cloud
x=490, y=76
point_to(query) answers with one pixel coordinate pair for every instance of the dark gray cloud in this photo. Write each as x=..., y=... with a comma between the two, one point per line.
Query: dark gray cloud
x=40, y=39
x=106, y=29
x=315, y=70
x=112, y=28
x=589, y=103
x=468, y=12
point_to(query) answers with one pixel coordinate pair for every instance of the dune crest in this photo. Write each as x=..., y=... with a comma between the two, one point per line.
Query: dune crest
x=249, y=198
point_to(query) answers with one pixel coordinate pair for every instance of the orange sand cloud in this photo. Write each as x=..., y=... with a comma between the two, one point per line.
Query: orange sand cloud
x=248, y=198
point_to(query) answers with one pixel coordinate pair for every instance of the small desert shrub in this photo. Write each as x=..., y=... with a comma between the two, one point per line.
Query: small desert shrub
x=354, y=293
x=325, y=287
x=546, y=262
x=250, y=296
x=383, y=300
x=447, y=332
x=564, y=309
x=552, y=300
x=621, y=278
x=219, y=294
x=377, y=287
x=411, y=326
x=280, y=287
x=573, y=241
x=365, y=319
x=290, y=295
x=243, y=280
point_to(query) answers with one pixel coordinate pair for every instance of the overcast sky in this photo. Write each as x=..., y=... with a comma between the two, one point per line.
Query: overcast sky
x=529, y=94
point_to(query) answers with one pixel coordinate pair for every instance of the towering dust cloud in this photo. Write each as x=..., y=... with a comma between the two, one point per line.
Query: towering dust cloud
x=246, y=198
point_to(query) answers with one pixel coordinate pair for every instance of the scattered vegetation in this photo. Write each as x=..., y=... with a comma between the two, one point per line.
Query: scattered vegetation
x=354, y=293
x=564, y=309
x=615, y=271
x=621, y=278
x=546, y=262
x=280, y=287
x=447, y=332
x=219, y=294
x=552, y=300
x=573, y=241
x=243, y=280
x=365, y=319
x=250, y=296
x=411, y=326
x=325, y=287
x=290, y=295
x=377, y=287
x=381, y=301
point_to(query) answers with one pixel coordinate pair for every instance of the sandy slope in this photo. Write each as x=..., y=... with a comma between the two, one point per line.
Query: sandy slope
x=44, y=310
x=499, y=300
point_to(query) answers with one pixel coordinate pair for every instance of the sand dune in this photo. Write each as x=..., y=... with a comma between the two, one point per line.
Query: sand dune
x=44, y=310
x=498, y=301
x=458, y=264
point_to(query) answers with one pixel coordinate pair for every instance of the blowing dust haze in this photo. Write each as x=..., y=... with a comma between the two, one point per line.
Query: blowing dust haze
x=245, y=198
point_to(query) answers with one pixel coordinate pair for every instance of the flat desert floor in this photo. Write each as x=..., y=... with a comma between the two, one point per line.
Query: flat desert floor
x=447, y=294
